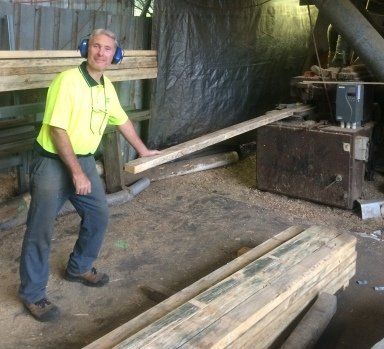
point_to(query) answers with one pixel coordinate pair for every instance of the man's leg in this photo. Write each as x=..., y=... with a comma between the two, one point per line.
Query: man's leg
x=93, y=210
x=49, y=186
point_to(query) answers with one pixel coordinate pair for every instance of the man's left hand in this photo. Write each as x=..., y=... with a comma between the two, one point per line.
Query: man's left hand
x=150, y=152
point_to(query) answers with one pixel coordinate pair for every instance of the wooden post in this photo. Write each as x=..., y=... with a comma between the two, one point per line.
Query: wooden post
x=315, y=321
x=113, y=169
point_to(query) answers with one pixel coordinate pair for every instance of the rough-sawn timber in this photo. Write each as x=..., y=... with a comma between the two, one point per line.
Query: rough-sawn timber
x=177, y=151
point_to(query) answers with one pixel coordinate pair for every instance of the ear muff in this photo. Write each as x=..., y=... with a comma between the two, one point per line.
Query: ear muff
x=83, y=48
x=118, y=56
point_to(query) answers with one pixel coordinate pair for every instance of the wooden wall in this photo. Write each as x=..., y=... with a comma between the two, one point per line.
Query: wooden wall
x=52, y=28
x=111, y=6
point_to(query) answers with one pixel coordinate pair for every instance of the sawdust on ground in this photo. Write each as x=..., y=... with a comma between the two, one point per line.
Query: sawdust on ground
x=240, y=181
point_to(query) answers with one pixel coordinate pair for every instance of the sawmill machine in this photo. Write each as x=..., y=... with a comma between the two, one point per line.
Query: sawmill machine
x=326, y=157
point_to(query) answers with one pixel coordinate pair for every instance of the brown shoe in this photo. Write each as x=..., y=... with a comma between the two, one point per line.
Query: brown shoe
x=90, y=278
x=43, y=310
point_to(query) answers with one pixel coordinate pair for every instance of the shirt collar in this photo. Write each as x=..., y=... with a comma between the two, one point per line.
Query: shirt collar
x=88, y=78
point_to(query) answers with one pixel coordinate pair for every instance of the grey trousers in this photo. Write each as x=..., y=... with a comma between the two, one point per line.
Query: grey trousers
x=51, y=185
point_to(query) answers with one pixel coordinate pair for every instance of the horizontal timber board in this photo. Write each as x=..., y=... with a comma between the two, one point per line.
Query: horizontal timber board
x=58, y=66
x=24, y=82
x=63, y=53
x=43, y=62
x=177, y=151
x=18, y=110
x=20, y=70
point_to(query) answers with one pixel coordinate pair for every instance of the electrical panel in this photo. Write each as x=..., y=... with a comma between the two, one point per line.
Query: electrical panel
x=350, y=105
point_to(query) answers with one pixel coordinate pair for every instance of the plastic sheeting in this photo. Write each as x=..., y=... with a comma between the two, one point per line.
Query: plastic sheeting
x=222, y=62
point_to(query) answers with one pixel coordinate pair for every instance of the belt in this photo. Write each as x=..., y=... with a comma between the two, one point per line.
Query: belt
x=41, y=151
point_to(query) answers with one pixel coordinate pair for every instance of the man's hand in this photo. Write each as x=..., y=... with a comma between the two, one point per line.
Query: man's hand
x=150, y=152
x=64, y=148
x=129, y=133
x=82, y=184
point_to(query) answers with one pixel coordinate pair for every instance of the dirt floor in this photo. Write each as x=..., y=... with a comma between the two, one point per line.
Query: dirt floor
x=172, y=234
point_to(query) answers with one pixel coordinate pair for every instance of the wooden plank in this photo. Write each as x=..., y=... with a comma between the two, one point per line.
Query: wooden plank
x=32, y=54
x=100, y=20
x=47, y=21
x=27, y=67
x=309, y=82
x=259, y=336
x=27, y=27
x=184, y=167
x=241, y=318
x=314, y=322
x=45, y=63
x=132, y=74
x=65, y=29
x=21, y=110
x=17, y=135
x=265, y=332
x=124, y=331
x=196, y=144
x=16, y=147
x=176, y=326
x=10, y=161
x=24, y=82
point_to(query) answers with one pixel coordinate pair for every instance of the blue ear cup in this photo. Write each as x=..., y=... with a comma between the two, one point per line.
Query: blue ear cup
x=83, y=48
x=118, y=56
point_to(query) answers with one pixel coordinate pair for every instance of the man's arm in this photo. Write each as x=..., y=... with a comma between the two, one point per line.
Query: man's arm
x=129, y=133
x=64, y=148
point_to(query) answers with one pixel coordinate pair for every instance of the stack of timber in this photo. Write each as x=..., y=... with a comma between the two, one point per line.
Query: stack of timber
x=249, y=302
x=21, y=70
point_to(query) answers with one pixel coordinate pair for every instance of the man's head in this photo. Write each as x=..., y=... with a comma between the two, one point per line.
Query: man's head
x=102, y=46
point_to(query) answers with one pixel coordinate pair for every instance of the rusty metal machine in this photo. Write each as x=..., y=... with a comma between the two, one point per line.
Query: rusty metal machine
x=313, y=161
x=321, y=157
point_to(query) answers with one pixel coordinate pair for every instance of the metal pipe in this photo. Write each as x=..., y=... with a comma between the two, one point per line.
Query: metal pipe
x=356, y=29
x=117, y=198
x=19, y=206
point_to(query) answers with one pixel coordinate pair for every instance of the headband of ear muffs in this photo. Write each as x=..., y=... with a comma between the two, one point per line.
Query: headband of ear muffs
x=83, y=48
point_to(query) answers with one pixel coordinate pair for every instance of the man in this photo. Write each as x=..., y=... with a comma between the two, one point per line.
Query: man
x=80, y=103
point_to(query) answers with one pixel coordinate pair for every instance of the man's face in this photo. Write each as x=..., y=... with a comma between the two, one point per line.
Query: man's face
x=100, y=52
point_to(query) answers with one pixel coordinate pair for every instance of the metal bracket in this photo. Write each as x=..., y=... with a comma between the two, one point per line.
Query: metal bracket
x=371, y=208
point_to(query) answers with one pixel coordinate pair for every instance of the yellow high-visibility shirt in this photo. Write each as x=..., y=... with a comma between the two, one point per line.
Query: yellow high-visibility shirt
x=82, y=107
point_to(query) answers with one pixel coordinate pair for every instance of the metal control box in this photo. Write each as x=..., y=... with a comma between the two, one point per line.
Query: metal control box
x=307, y=160
x=350, y=104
